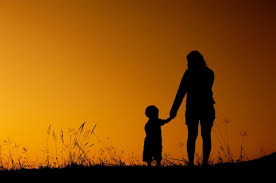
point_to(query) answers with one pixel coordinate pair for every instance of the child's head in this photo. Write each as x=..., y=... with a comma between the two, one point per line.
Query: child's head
x=152, y=112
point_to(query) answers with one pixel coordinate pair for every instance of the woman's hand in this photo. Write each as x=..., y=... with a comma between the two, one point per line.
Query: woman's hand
x=172, y=115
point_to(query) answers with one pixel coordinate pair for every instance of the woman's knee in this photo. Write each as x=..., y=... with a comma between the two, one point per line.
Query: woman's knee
x=192, y=135
x=206, y=129
x=206, y=137
x=206, y=134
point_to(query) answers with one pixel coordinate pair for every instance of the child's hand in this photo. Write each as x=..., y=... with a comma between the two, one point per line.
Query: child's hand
x=164, y=121
x=169, y=119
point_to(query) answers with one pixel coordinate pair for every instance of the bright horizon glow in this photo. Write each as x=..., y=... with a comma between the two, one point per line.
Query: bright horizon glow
x=103, y=62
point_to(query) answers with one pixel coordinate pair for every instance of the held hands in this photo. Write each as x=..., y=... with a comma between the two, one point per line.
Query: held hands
x=170, y=118
x=172, y=115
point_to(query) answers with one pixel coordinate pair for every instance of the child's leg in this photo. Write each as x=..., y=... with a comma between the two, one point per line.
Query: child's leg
x=158, y=157
x=158, y=163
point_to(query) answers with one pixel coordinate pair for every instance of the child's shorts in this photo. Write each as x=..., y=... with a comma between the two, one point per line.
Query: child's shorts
x=151, y=153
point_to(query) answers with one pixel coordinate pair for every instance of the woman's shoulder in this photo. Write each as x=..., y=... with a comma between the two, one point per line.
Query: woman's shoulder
x=208, y=70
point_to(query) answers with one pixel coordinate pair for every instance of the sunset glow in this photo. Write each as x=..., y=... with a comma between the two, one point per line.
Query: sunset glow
x=65, y=62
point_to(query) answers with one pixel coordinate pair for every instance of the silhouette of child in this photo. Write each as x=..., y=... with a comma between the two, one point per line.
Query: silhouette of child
x=153, y=140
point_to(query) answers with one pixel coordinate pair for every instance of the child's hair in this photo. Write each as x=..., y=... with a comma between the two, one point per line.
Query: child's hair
x=151, y=111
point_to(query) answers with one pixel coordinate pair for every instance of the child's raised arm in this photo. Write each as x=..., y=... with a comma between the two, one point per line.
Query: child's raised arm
x=164, y=121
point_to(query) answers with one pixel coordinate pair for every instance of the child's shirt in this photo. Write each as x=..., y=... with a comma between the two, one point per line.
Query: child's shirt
x=153, y=132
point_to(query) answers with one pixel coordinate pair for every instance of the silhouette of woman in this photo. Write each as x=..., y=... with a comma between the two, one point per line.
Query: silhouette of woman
x=197, y=83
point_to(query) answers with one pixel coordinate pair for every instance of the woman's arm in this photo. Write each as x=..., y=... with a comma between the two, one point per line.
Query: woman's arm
x=180, y=95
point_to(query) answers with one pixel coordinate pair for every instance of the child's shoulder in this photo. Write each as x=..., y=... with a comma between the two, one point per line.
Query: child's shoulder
x=148, y=123
x=158, y=122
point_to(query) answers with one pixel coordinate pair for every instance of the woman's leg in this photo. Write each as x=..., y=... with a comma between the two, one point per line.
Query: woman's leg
x=206, y=128
x=192, y=135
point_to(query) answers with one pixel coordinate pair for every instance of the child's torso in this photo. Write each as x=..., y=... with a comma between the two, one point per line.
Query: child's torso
x=153, y=131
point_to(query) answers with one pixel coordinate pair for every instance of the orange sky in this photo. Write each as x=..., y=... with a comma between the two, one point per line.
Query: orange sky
x=64, y=62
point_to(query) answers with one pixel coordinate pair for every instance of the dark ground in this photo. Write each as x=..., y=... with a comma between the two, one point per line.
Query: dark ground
x=262, y=168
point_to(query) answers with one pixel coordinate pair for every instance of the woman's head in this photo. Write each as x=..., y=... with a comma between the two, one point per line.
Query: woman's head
x=152, y=112
x=195, y=60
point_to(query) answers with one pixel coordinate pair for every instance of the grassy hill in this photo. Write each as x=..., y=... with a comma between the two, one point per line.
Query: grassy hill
x=264, y=163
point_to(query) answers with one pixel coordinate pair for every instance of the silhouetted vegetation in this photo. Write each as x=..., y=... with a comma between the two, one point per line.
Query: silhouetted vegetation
x=72, y=152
